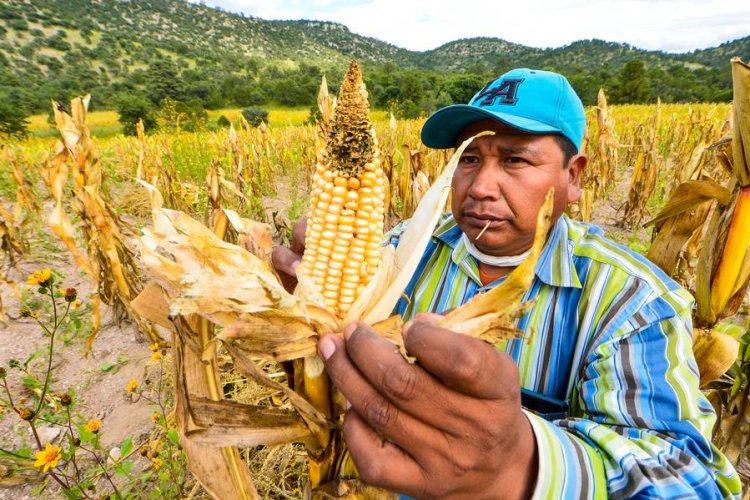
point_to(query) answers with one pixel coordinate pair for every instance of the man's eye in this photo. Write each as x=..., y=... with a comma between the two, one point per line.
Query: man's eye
x=469, y=159
x=515, y=159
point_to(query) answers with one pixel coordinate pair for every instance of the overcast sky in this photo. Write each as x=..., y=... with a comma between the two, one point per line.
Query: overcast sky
x=669, y=25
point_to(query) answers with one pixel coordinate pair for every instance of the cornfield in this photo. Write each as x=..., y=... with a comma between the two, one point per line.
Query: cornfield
x=140, y=214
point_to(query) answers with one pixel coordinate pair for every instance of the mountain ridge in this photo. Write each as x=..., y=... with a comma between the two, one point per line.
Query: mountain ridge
x=60, y=48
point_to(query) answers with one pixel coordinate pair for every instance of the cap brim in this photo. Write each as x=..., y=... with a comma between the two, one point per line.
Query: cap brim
x=442, y=128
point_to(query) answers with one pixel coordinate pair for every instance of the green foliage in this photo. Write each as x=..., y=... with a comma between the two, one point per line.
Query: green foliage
x=12, y=119
x=223, y=122
x=632, y=84
x=255, y=115
x=132, y=108
x=189, y=116
x=224, y=60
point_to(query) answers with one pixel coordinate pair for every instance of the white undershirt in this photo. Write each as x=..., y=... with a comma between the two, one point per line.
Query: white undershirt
x=494, y=260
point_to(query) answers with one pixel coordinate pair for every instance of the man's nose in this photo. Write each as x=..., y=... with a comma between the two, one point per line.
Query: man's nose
x=487, y=180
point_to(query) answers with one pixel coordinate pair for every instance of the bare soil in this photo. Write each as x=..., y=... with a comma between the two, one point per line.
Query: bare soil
x=119, y=354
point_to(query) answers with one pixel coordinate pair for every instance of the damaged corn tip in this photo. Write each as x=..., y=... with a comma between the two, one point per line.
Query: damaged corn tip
x=345, y=220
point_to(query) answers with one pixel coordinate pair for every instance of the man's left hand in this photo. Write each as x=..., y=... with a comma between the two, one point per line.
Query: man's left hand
x=447, y=426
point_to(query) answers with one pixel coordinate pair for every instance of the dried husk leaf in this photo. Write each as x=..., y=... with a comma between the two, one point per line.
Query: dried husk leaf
x=220, y=471
x=715, y=352
x=255, y=237
x=704, y=269
x=681, y=217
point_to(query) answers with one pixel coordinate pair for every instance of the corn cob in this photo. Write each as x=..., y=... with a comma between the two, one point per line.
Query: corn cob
x=345, y=220
x=726, y=279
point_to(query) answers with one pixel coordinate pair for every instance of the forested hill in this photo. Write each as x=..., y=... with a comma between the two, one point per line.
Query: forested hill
x=156, y=49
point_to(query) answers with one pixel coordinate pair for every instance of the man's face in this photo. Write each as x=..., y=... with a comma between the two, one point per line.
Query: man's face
x=502, y=180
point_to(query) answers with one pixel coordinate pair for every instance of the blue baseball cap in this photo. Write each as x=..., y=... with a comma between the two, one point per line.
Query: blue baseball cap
x=531, y=100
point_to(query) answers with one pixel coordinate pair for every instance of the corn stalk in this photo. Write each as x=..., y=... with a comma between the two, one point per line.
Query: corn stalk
x=107, y=260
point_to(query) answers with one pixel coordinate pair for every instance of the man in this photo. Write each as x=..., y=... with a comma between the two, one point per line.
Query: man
x=609, y=334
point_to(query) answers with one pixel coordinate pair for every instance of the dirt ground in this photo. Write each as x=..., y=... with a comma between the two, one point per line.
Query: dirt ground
x=119, y=354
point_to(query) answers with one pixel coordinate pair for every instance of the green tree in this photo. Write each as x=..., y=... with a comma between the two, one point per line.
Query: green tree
x=163, y=81
x=254, y=115
x=462, y=88
x=632, y=84
x=134, y=107
x=12, y=119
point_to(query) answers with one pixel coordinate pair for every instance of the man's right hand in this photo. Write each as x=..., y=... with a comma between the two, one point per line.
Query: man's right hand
x=285, y=260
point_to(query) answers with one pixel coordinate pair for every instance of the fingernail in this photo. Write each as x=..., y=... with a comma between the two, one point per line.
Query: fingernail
x=347, y=404
x=349, y=330
x=326, y=347
x=296, y=264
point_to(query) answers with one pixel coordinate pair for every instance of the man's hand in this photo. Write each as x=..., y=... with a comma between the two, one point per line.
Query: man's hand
x=448, y=426
x=285, y=260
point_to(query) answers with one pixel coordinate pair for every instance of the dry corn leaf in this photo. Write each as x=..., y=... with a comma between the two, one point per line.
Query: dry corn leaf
x=152, y=304
x=229, y=423
x=741, y=127
x=691, y=194
x=271, y=336
x=255, y=237
x=315, y=420
x=221, y=471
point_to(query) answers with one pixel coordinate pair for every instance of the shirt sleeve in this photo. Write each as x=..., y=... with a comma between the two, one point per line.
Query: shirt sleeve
x=642, y=427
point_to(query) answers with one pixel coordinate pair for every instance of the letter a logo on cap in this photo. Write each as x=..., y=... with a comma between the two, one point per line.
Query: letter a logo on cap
x=506, y=91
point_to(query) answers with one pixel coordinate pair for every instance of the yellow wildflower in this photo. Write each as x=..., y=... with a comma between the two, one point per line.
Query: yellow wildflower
x=156, y=356
x=155, y=417
x=41, y=278
x=157, y=463
x=132, y=385
x=154, y=347
x=47, y=459
x=93, y=425
x=36, y=314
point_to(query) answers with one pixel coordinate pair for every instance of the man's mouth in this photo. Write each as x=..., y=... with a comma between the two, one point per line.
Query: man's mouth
x=482, y=220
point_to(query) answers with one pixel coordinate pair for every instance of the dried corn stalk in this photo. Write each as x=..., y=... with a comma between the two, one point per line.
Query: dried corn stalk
x=601, y=176
x=201, y=275
x=644, y=175
x=709, y=223
x=107, y=260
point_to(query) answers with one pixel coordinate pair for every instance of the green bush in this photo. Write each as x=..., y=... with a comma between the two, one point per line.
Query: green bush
x=255, y=115
x=134, y=107
x=223, y=122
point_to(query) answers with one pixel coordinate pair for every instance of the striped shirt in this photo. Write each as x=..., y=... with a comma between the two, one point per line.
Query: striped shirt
x=611, y=334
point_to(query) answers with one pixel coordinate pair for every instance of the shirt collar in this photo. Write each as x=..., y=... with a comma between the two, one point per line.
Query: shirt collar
x=555, y=266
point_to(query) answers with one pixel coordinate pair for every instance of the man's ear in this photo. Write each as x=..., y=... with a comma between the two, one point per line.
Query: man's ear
x=575, y=171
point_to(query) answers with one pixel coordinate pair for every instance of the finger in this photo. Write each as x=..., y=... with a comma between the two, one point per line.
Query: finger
x=384, y=417
x=298, y=236
x=382, y=463
x=407, y=386
x=468, y=365
x=285, y=260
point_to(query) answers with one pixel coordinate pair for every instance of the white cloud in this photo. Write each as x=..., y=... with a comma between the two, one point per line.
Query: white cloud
x=671, y=25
